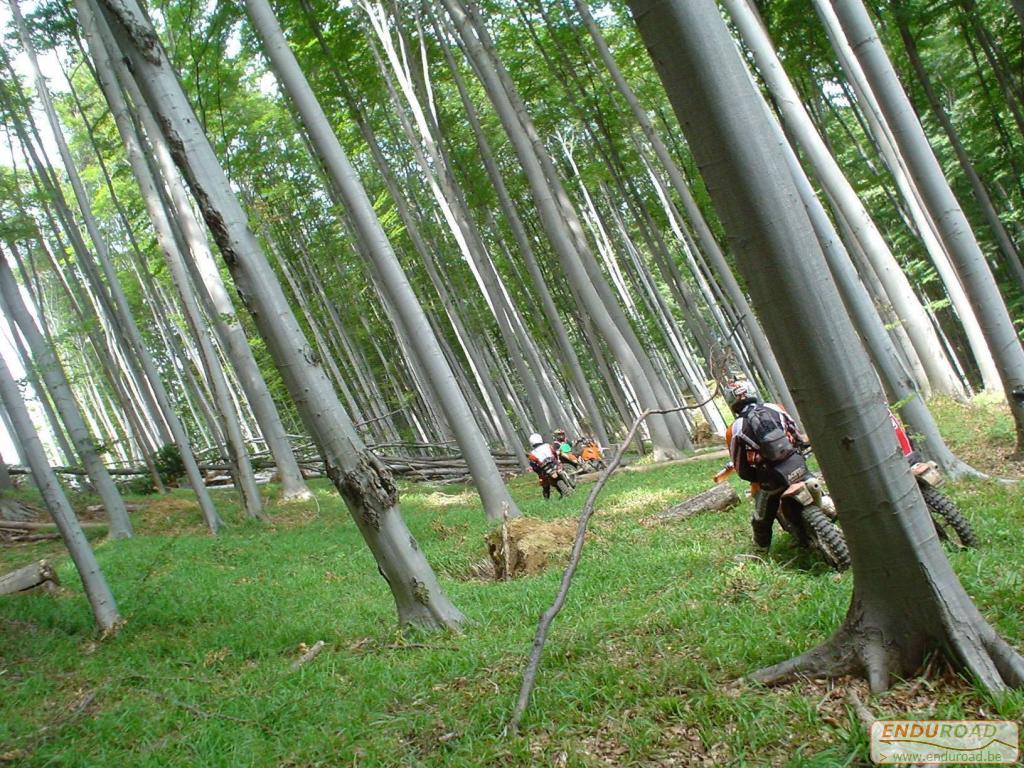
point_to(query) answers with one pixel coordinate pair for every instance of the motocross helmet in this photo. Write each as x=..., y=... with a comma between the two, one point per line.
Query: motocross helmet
x=739, y=393
x=559, y=435
x=535, y=440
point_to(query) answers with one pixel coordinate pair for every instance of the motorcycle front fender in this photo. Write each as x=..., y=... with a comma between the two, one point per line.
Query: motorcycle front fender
x=800, y=493
x=927, y=472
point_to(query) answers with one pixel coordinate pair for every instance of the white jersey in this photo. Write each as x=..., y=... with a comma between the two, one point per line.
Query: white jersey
x=543, y=452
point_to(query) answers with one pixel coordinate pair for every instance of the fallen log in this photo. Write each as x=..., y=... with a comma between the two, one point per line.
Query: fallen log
x=308, y=655
x=30, y=577
x=718, y=499
x=21, y=525
x=15, y=537
x=698, y=456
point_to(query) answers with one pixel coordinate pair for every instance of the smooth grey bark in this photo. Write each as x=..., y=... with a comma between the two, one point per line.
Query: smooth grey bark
x=364, y=483
x=168, y=240
x=426, y=254
x=972, y=269
x=223, y=411
x=210, y=287
x=494, y=494
x=65, y=452
x=919, y=217
x=450, y=200
x=895, y=283
x=123, y=311
x=101, y=600
x=567, y=352
x=82, y=306
x=981, y=195
x=708, y=244
x=56, y=382
x=552, y=205
x=6, y=484
x=896, y=380
x=914, y=605
x=97, y=295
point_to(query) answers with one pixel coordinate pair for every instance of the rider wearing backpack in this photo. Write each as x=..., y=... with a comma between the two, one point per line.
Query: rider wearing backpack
x=762, y=435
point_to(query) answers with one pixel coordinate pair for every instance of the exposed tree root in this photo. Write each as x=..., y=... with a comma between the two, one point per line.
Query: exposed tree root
x=856, y=651
x=834, y=658
x=1009, y=663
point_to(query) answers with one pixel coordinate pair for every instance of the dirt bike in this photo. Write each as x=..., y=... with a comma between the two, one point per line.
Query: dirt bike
x=944, y=512
x=556, y=475
x=806, y=511
x=589, y=453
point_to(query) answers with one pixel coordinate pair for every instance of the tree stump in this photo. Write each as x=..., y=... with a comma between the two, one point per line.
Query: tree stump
x=526, y=545
x=717, y=499
x=32, y=576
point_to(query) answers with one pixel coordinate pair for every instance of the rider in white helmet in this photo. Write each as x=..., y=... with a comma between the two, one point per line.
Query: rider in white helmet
x=542, y=453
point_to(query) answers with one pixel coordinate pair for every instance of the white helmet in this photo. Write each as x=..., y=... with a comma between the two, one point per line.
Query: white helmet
x=536, y=439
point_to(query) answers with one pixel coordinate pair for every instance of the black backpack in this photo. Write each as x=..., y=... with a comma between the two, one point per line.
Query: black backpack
x=764, y=431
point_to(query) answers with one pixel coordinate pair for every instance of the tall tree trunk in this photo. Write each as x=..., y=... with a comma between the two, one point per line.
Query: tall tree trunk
x=907, y=601
x=970, y=263
x=897, y=383
x=493, y=493
x=52, y=373
x=168, y=239
x=362, y=480
x=707, y=241
x=896, y=285
x=546, y=190
x=550, y=310
x=60, y=443
x=101, y=600
x=924, y=223
x=219, y=307
x=123, y=313
x=981, y=195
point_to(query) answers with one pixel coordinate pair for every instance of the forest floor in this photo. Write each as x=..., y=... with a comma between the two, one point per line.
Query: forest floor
x=642, y=667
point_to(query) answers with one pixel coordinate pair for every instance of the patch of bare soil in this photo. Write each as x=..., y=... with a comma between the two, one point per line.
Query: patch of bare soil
x=526, y=546
x=163, y=514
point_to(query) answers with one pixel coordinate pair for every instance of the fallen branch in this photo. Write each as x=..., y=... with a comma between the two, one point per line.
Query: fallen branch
x=530, y=673
x=717, y=499
x=202, y=714
x=23, y=525
x=31, y=576
x=13, y=537
x=311, y=653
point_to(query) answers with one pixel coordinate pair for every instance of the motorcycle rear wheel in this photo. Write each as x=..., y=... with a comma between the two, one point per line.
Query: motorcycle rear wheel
x=826, y=537
x=564, y=485
x=945, y=513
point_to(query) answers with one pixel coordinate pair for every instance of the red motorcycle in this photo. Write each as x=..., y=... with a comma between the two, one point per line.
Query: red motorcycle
x=944, y=512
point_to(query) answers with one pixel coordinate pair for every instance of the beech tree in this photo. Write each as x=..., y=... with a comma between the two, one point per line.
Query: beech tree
x=971, y=266
x=907, y=601
x=53, y=376
x=489, y=484
x=361, y=479
x=101, y=599
x=119, y=309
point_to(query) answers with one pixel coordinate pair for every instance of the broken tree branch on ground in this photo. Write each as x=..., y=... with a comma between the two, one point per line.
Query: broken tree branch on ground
x=546, y=619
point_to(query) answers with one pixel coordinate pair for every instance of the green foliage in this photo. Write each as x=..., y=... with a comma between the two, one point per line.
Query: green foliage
x=169, y=463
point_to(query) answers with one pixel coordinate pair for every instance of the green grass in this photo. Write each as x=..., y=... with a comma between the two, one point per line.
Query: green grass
x=640, y=668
